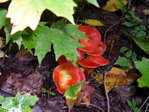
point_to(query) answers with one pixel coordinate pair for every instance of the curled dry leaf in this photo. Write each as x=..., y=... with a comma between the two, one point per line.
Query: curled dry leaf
x=116, y=77
x=82, y=92
x=113, y=5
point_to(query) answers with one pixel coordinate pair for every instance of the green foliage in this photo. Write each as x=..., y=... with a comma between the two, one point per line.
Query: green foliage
x=19, y=103
x=143, y=67
x=72, y=91
x=143, y=44
x=139, y=31
x=64, y=38
x=127, y=57
x=2, y=17
x=133, y=106
x=132, y=19
x=94, y=2
x=44, y=90
x=121, y=5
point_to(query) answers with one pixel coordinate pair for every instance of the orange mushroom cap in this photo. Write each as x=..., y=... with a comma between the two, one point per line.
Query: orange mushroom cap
x=88, y=63
x=91, y=33
x=89, y=46
x=65, y=75
x=99, y=51
x=99, y=60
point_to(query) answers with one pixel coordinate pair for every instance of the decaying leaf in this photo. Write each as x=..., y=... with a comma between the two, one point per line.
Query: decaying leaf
x=27, y=13
x=2, y=42
x=116, y=77
x=2, y=54
x=146, y=12
x=93, y=22
x=73, y=95
x=77, y=93
x=113, y=5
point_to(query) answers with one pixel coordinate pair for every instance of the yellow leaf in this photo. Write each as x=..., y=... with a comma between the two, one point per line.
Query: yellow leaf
x=2, y=1
x=93, y=22
x=116, y=77
x=112, y=5
x=27, y=13
x=146, y=12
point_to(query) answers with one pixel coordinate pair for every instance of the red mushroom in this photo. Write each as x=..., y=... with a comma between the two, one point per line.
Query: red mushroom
x=91, y=33
x=99, y=51
x=93, y=49
x=99, y=60
x=88, y=63
x=65, y=75
x=89, y=46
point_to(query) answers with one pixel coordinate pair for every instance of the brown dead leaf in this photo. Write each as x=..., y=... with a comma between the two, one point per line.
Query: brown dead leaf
x=112, y=5
x=116, y=77
x=84, y=95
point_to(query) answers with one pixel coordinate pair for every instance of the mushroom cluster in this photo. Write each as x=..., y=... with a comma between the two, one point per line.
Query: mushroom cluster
x=91, y=53
x=66, y=74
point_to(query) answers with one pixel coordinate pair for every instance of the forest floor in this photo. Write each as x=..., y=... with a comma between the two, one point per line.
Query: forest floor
x=20, y=71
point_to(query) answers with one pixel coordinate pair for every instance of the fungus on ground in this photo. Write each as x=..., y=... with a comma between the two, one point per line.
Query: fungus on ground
x=92, y=50
x=65, y=75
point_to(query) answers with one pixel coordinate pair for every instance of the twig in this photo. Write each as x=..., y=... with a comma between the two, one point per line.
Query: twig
x=99, y=108
x=147, y=107
x=143, y=104
x=105, y=34
x=107, y=97
x=129, y=4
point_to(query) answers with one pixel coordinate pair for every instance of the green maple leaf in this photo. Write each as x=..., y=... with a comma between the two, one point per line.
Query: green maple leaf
x=66, y=40
x=143, y=67
x=71, y=92
x=27, y=13
x=39, y=40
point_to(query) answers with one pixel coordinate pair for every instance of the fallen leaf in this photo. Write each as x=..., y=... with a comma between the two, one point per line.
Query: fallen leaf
x=146, y=12
x=73, y=95
x=2, y=54
x=92, y=22
x=2, y=42
x=113, y=5
x=116, y=77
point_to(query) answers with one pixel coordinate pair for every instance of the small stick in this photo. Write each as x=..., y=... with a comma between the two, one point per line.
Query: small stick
x=107, y=97
x=99, y=108
x=143, y=104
